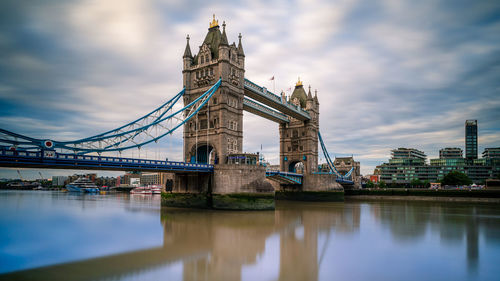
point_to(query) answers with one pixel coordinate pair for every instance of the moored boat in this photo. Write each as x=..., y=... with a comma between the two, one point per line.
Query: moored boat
x=141, y=190
x=156, y=189
x=150, y=189
x=82, y=185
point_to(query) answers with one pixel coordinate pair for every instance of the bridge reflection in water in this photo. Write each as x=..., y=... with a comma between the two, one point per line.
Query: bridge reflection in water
x=221, y=245
x=216, y=245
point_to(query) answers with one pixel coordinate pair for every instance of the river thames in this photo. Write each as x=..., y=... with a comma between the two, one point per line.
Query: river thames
x=47, y=235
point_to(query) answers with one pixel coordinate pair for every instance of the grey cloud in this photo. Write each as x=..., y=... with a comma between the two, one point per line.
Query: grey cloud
x=388, y=73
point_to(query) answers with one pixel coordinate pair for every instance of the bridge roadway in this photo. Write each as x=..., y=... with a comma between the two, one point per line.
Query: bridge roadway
x=53, y=160
x=264, y=111
x=263, y=96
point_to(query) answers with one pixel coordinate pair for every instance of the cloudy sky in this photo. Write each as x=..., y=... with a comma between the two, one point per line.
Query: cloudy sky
x=388, y=73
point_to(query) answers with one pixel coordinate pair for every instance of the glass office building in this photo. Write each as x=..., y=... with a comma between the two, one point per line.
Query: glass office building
x=471, y=139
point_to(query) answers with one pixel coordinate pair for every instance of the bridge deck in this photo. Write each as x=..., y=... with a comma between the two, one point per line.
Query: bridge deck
x=261, y=94
x=264, y=111
x=53, y=160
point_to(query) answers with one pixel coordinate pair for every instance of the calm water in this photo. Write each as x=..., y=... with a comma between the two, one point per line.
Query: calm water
x=59, y=236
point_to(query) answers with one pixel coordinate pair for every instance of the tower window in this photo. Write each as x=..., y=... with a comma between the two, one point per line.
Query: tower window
x=206, y=58
x=202, y=59
x=211, y=71
x=203, y=124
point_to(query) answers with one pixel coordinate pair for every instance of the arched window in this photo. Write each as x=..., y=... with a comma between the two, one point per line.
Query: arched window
x=206, y=58
x=202, y=59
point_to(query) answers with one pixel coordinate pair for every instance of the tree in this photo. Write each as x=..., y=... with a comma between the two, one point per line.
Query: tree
x=382, y=184
x=416, y=183
x=427, y=184
x=456, y=178
x=370, y=184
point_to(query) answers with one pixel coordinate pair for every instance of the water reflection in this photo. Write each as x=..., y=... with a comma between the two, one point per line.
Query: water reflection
x=236, y=239
x=409, y=221
x=312, y=241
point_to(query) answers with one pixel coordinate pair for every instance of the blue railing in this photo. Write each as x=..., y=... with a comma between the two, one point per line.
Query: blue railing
x=293, y=178
x=52, y=159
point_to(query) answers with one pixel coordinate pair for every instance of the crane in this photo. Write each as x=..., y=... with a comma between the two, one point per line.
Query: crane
x=21, y=177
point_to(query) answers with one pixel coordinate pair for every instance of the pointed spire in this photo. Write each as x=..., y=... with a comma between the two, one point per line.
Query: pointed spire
x=240, y=47
x=299, y=83
x=309, y=96
x=316, y=96
x=223, y=40
x=187, y=52
x=214, y=23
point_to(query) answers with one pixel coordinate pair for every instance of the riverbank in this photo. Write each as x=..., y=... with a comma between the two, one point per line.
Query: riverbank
x=486, y=196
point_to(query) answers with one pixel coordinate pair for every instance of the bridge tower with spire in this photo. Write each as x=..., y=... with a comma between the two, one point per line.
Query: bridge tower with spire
x=217, y=130
x=299, y=139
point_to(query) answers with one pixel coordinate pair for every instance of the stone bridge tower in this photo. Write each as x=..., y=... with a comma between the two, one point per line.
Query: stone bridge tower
x=217, y=131
x=299, y=139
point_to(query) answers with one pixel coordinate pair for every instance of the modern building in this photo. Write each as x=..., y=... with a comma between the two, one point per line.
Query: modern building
x=450, y=153
x=492, y=153
x=59, y=180
x=404, y=170
x=163, y=179
x=408, y=153
x=405, y=165
x=471, y=139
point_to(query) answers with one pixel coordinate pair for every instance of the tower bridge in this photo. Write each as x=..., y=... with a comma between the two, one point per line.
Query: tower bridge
x=212, y=173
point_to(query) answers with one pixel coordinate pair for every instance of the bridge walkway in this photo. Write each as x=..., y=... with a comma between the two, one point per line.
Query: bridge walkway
x=263, y=96
x=53, y=160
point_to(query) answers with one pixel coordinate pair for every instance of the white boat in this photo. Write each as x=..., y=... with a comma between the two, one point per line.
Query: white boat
x=150, y=189
x=141, y=190
x=82, y=185
x=156, y=189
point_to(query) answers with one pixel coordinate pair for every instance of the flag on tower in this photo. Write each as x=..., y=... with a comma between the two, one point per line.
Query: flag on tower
x=272, y=78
